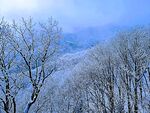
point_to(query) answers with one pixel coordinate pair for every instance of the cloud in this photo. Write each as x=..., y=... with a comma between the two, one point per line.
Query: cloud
x=73, y=14
x=14, y=6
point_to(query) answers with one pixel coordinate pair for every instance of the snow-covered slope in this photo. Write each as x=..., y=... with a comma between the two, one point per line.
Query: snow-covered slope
x=67, y=63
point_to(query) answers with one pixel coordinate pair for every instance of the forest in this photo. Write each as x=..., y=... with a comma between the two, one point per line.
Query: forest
x=36, y=77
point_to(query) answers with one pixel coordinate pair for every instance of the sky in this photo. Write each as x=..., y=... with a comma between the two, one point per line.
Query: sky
x=78, y=14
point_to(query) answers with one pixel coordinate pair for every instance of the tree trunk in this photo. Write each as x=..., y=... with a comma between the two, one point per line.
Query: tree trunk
x=129, y=104
x=111, y=99
x=28, y=107
x=14, y=103
x=111, y=89
x=149, y=72
x=141, y=91
x=6, y=107
x=135, y=97
x=128, y=92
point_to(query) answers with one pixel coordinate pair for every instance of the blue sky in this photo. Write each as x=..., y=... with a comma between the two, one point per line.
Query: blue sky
x=73, y=14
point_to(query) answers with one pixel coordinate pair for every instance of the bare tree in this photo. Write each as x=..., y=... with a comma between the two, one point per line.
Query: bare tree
x=134, y=59
x=112, y=77
x=36, y=48
x=8, y=83
x=30, y=49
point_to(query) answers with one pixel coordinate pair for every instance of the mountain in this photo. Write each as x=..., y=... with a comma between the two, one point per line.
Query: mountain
x=88, y=37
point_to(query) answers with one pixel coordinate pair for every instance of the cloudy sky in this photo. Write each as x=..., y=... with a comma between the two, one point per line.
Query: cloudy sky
x=73, y=14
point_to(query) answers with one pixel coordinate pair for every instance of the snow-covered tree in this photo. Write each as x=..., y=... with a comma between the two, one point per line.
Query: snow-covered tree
x=33, y=47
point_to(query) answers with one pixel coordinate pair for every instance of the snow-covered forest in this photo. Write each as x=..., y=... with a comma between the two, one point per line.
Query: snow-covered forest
x=38, y=76
x=74, y=56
